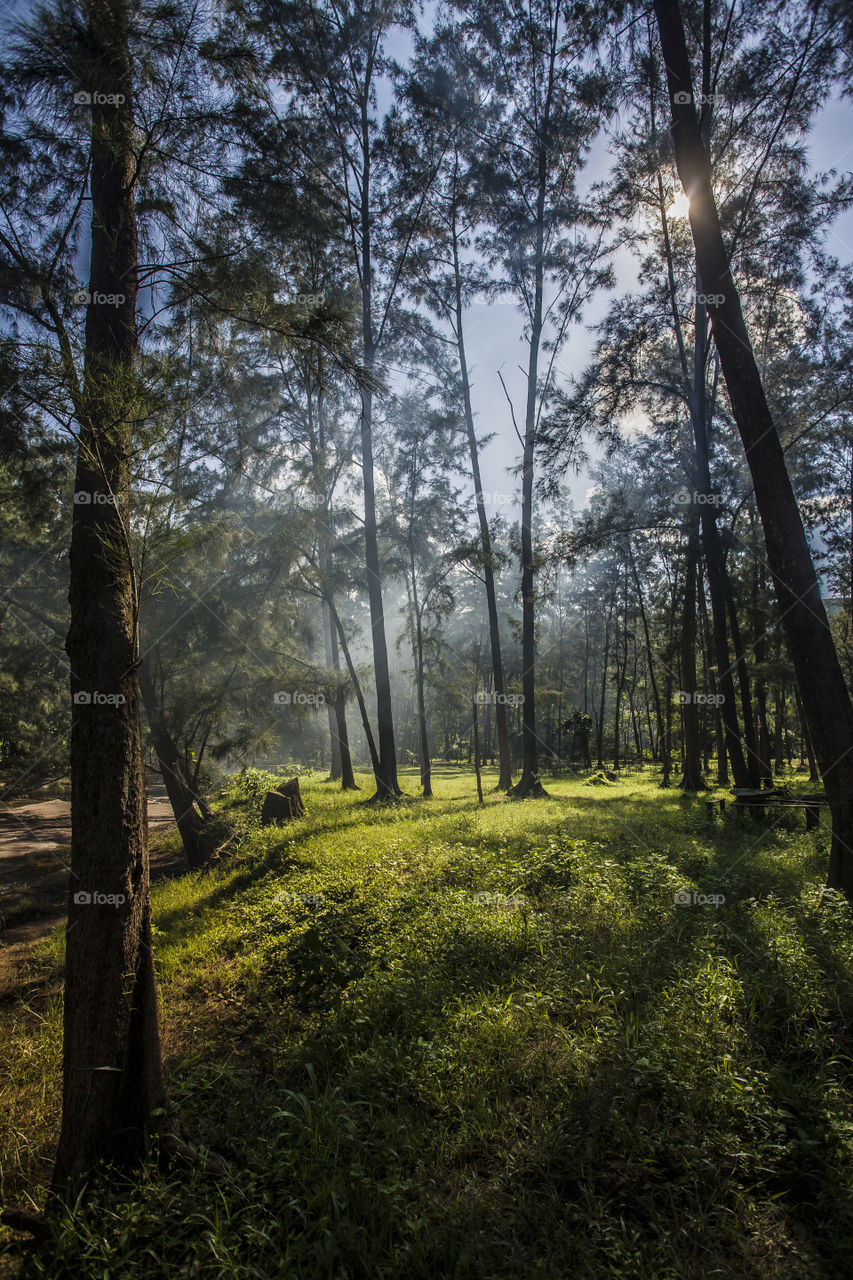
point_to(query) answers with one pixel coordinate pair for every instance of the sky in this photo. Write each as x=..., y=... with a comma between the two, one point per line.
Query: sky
x=494, y=331
x=495, y=344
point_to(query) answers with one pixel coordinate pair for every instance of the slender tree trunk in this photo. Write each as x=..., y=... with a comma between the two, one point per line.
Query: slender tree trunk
x=477, y=752
x=666, y=776
x=331, y=705
x=692, y=780
x=387, y=786
x=648, y=646
x=113, y=1080
x=529, y=784
x=188, y=818
x=824, y=694
x=719, y=726
x=426, y=772
x=504, y=758
x=339, y=703
x=356, y=684
x=779, y=729
x=600, y=725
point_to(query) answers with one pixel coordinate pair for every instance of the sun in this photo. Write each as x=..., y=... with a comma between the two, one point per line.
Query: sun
x=680, y=206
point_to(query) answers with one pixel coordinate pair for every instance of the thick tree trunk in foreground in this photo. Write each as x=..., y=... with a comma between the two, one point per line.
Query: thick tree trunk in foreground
x=112, y=1068
x=826, y=701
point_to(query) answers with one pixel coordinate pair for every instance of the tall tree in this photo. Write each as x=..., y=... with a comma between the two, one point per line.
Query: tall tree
x=826, y=700
x=539, y=56
x=447, y=278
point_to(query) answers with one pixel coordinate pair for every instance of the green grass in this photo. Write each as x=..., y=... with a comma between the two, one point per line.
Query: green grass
x=436, y=1040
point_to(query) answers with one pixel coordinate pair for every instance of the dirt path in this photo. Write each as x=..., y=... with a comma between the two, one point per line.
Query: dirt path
x=35, y=841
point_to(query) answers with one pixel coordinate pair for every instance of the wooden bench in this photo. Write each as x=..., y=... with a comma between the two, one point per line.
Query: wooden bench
x=780, y=798
x=712, y=805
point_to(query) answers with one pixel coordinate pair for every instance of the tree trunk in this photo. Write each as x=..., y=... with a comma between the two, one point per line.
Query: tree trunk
x=331, y=706
x=504, y=759
x=340, y=737
x=600, y=725
x=648, y=648
x=692, y=780
x=188, y=819
x=477, y=753
x=529, y=784
x=356, y=684
x=348, y=782
x=387, y=786
x=825, y=698
x=113, y=1080
x=423, y=745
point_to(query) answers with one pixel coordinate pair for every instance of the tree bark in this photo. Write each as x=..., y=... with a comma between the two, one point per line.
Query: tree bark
x=113, y=1079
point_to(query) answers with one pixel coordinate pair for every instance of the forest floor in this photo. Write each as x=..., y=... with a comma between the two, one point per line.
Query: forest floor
x=35, y=848
x=597, y=1035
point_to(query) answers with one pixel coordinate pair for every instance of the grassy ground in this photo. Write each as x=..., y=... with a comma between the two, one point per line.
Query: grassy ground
x=526, y=1040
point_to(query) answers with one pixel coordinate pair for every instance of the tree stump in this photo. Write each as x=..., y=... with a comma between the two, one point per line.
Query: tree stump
x=282, y=804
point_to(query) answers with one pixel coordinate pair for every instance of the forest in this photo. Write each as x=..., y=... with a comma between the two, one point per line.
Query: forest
x=426, y=639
